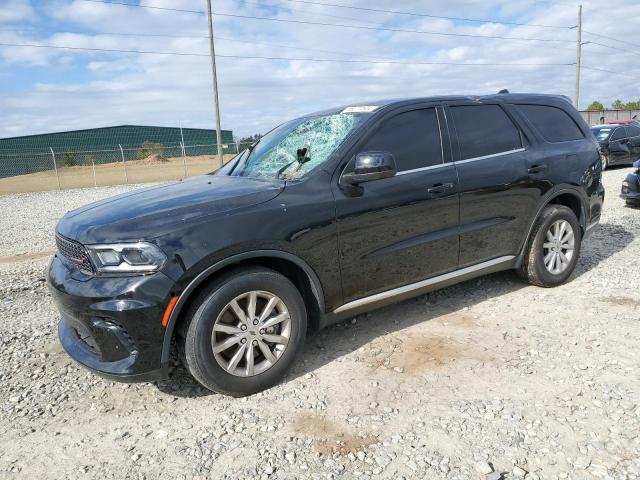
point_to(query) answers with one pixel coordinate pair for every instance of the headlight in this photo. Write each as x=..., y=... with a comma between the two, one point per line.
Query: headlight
x=126, y=257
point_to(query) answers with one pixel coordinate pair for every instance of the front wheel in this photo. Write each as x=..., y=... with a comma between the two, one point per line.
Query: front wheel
x=244, y=332
x=553, y=249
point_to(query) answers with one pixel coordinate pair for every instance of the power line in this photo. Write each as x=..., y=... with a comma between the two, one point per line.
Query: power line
x=181, y=10
x=427, y=15
x=611, y=38
x=597, y=69
x=378, y=27
x=202, y=37
x=591, y=42
x=391, y=29
x=258, y=57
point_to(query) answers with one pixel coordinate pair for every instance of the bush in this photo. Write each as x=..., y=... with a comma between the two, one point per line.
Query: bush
x=70, y=159
x=150, y=148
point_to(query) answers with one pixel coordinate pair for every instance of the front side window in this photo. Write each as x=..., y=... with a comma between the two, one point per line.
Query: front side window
x=554, y=124
x=276, y=154
x=484, y=130
x=618, y=134
x=413, y=138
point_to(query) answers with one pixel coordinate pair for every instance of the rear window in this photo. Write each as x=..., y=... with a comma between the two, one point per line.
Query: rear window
x=554, y=124
x=484, y=130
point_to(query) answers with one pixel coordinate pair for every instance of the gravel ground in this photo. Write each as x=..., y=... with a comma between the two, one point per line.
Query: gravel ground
x=488, y=379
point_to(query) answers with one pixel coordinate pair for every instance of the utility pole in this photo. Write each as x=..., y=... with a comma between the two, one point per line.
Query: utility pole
x=215, y=84
x=579, y=55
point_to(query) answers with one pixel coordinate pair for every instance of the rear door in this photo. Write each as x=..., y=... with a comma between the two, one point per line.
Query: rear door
x=497, y=195
x=402, y=229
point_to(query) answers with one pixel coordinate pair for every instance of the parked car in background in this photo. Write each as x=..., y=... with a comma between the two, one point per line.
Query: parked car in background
x=326, y=217
x=631, y=186
x=620, y=144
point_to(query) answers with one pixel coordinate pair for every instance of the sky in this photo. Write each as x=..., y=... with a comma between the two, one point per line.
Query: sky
x=44, y=90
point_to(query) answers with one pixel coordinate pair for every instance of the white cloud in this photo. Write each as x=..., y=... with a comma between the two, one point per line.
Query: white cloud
x=87, y=89
x=15, y=10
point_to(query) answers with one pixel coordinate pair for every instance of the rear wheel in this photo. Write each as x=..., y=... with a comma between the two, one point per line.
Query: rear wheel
x=553, y=249
x=244, y=332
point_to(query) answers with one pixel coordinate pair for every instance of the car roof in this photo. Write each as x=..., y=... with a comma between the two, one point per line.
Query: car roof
x=534, y=98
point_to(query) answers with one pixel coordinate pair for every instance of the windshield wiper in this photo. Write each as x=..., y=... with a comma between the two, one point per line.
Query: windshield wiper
x=302, y=157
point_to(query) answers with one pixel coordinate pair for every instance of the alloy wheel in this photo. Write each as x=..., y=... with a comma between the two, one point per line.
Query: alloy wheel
x=559, y=246
x=251, y=333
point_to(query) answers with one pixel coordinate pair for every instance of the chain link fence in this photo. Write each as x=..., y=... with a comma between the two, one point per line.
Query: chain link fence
x=151, y=158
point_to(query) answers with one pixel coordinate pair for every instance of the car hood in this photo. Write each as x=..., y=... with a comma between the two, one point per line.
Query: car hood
x=150, y=212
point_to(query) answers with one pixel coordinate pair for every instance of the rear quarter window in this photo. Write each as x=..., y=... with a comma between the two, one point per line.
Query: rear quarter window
x=554, y=124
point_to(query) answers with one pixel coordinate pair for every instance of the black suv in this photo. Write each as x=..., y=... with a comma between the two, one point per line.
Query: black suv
x=327, y=216
x=620, y=144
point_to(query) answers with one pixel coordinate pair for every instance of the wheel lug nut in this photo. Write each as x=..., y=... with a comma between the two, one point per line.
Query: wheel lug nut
x=255, y=322
x=243, y=341
x=243, y=327
x=262, y=331
x=255, y=343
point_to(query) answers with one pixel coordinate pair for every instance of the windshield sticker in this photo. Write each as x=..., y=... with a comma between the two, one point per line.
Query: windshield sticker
x=360, y=109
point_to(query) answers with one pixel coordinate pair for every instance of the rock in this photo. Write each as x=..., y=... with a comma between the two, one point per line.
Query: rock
x=582, y=463
x=483, y=468
x=518, y=472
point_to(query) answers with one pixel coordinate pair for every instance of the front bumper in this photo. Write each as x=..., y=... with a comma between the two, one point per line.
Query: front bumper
x=631, y=188
x=112, y=325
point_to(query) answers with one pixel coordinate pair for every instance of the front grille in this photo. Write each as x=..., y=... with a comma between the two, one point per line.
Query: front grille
x=75, y=254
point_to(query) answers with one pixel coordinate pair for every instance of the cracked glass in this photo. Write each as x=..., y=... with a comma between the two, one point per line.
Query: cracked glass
x=276, y=154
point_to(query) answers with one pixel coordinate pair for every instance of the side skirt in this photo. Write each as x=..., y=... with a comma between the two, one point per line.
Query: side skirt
x=394, y=295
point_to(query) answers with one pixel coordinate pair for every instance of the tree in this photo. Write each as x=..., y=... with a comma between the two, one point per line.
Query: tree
x=633, y=105
x=595, y=107
x=617, y=105
x=246, y=142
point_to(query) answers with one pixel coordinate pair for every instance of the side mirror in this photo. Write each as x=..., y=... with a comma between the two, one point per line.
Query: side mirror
x=368, y=166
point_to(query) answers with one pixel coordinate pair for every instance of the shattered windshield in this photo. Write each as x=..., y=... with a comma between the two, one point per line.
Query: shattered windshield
x=298, y=146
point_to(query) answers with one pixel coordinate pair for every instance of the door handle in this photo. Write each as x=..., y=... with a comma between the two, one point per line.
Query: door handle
x=537, y=169
x=439, y=188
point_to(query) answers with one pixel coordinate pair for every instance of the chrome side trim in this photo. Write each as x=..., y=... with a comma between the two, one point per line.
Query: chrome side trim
x=422, y=169
x=422, y=283
x=493, y=155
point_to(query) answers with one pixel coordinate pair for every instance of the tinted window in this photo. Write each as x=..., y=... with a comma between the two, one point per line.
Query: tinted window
x=412, y=137
x=633, y=131
x=554, y=124
x=619, y=133
x=484, y=130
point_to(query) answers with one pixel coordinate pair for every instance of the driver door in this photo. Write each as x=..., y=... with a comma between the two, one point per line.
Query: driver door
x=619, y=151
x=399, y=230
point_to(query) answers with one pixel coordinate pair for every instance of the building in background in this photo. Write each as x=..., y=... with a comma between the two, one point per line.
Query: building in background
x=96, y=146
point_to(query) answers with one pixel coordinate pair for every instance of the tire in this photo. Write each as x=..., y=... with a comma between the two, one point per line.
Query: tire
x=213, y=306
x=534, y=269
